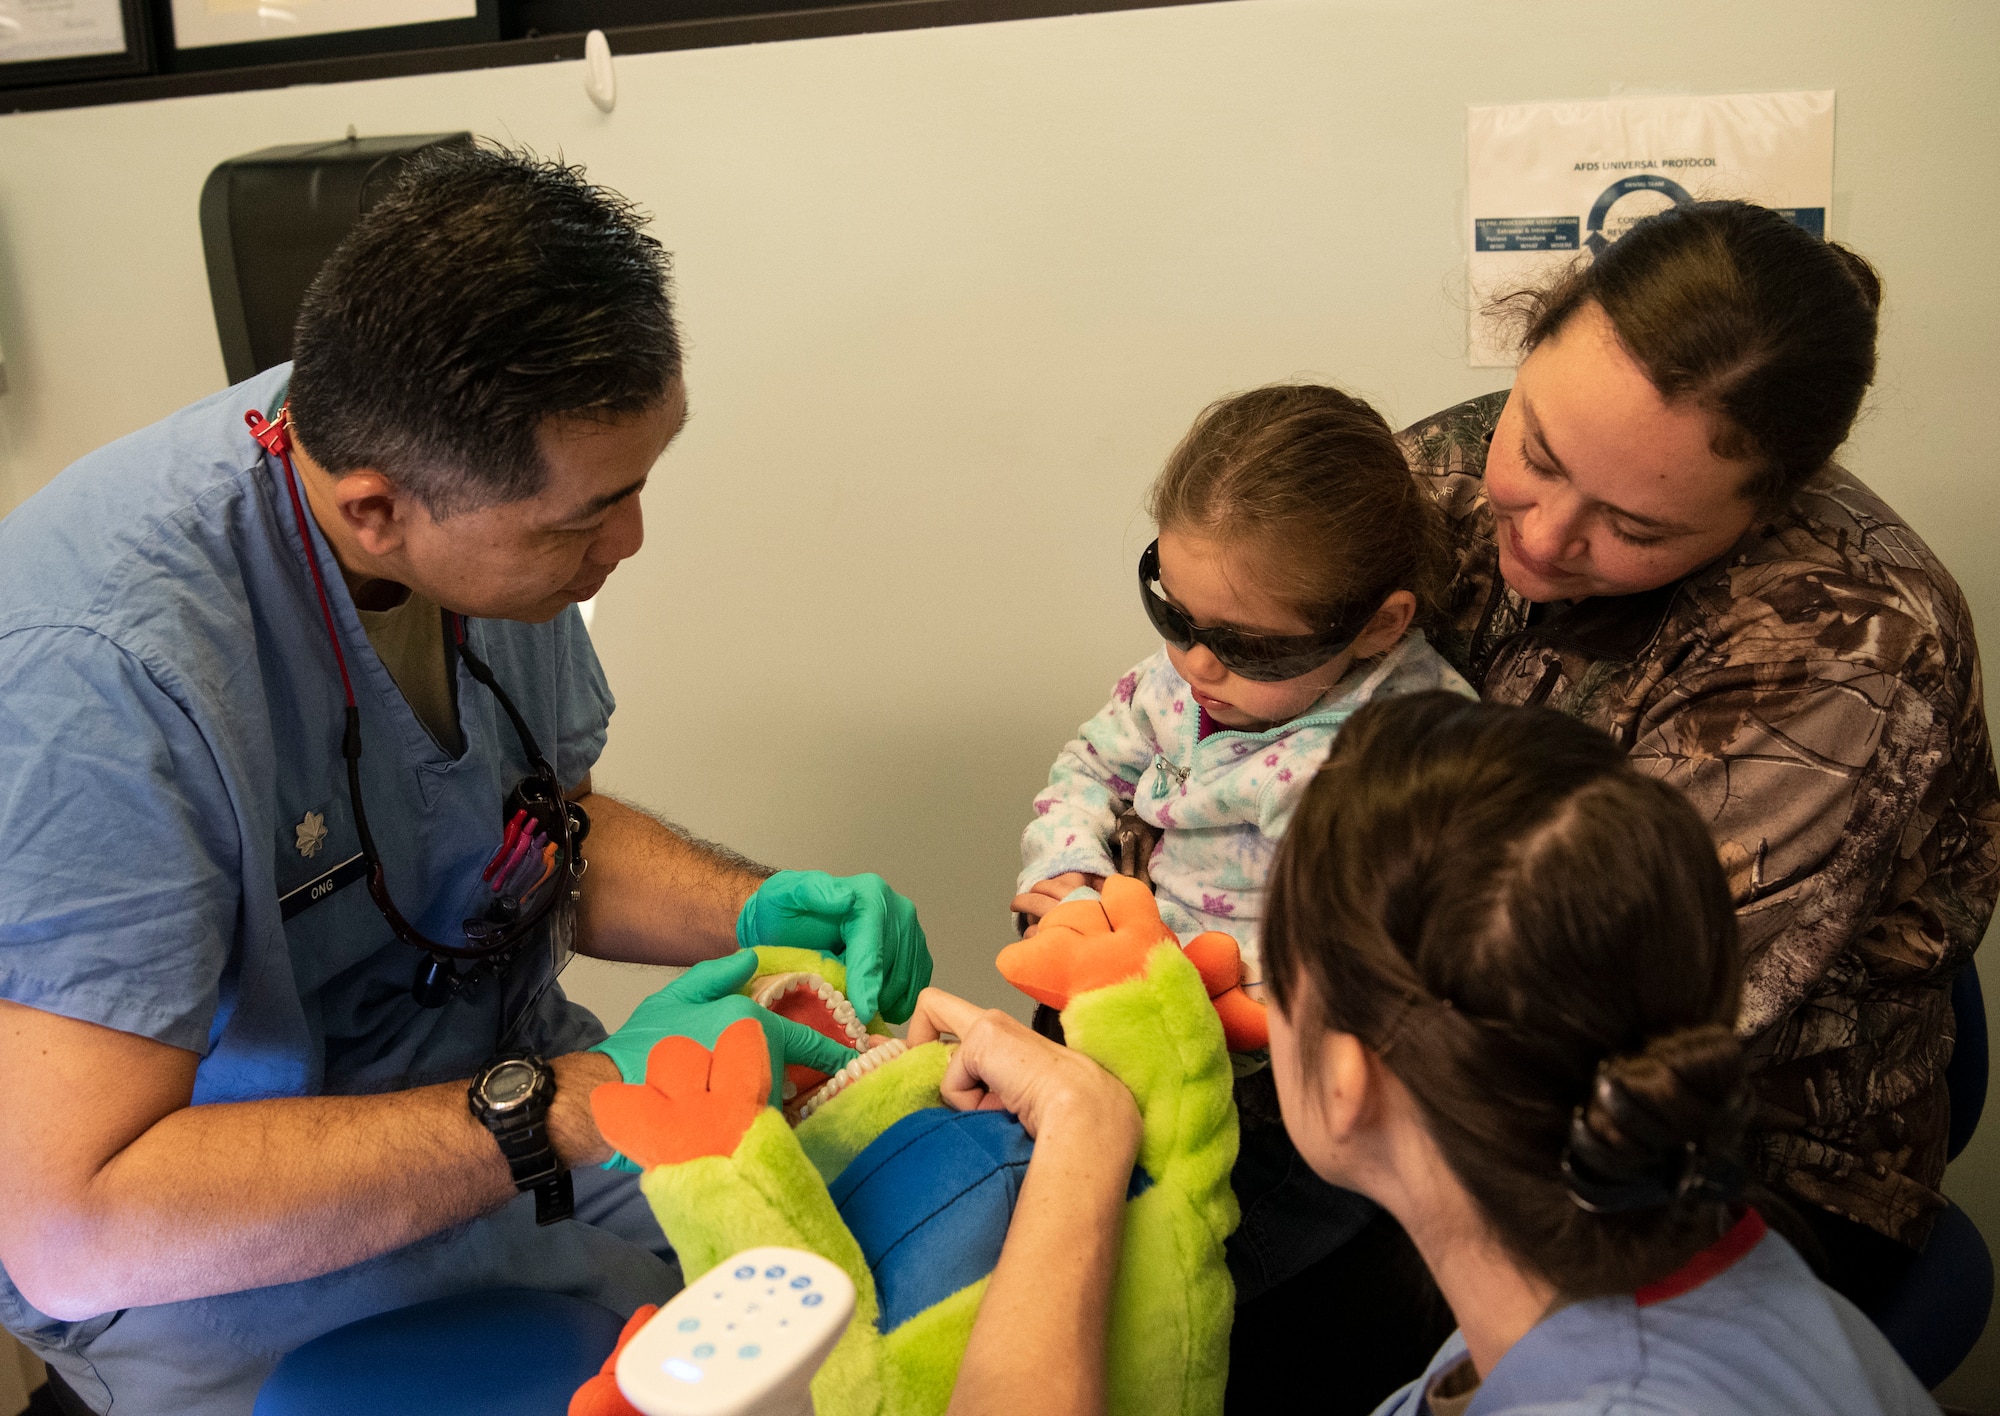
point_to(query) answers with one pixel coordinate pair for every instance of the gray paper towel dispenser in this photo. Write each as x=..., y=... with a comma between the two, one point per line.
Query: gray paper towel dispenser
x=269, y=220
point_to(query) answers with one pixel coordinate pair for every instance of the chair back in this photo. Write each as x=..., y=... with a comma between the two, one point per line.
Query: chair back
x=1965, y=1074
x=1936, y=1314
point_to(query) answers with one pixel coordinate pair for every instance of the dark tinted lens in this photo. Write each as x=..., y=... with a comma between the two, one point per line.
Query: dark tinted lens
x=1271, y=660
x=1169, y=623
x=1264, y=658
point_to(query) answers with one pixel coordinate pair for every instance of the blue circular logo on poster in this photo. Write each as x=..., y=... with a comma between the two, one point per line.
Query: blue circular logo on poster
x=1627, y=200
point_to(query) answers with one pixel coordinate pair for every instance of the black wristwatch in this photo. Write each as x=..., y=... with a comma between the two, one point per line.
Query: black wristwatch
x=511, y=1097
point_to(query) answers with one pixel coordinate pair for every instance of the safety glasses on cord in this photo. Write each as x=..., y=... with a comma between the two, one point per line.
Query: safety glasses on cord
x=1263, y=658
x=539, y=862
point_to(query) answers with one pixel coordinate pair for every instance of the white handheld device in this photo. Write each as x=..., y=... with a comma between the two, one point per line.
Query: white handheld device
x=744, y=1339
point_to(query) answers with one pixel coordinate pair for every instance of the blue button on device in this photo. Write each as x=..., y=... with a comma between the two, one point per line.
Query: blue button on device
x=749, y=1350
x=689, y=1324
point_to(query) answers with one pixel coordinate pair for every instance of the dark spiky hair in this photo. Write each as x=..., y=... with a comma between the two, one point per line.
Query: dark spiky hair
x=490, y=291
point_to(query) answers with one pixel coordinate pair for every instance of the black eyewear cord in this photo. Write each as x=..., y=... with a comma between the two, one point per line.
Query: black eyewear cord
x=507, y=920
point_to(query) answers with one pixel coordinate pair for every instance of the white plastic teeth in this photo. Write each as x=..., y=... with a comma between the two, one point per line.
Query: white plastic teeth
x=877, y=1050
x=777, y=986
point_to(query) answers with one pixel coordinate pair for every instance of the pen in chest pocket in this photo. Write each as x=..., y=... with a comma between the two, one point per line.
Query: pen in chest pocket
x=524, y=859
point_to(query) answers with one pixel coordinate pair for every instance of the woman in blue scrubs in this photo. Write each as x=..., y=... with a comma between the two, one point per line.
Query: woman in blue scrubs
x=1505, y=972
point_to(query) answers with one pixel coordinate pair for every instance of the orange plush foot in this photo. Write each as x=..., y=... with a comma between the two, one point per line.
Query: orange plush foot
x=1087, y=944
x=694, y=1102
x=1246, y=1026
x=600, y=1395
x=1219, y=960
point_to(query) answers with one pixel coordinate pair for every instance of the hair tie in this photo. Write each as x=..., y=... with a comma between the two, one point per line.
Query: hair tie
x=1600, y=1183
x=1692, y=1177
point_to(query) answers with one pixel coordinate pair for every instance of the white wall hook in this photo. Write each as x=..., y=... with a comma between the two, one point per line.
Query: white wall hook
x=600, y=80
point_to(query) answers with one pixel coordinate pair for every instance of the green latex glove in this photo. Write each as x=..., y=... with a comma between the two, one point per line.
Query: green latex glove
x=858, y=917
x=700, y=1004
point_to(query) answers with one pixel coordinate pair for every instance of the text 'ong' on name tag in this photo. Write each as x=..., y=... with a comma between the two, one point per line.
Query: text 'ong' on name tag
x=295, y=902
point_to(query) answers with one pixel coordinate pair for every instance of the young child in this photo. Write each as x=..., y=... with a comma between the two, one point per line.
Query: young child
x=1294, y=552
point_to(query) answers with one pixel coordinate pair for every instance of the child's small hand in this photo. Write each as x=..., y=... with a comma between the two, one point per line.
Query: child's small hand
x=1047, y=894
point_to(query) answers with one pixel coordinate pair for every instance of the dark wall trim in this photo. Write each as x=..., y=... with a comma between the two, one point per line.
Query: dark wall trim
x=636, y=39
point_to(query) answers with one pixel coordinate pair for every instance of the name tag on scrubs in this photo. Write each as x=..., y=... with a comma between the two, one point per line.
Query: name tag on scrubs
x=295, y=902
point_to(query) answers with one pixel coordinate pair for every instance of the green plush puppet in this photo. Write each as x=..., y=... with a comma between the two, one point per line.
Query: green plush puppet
x=869, y=1169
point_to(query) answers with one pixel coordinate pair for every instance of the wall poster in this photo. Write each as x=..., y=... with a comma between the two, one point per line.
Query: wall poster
x=1550, y=183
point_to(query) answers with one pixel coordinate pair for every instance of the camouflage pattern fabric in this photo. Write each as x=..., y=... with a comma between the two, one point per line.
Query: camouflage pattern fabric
x=1816, y=693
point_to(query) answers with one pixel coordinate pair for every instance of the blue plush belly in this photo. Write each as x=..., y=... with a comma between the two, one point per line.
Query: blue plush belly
x=929, y=1202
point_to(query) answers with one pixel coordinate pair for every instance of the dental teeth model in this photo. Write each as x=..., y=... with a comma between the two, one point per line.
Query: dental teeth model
x=878, y=1050
x=807, y=998
x=912, y=1199
x=780, y=993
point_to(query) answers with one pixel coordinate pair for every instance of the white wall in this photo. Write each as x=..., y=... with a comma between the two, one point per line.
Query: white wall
x=952, y=295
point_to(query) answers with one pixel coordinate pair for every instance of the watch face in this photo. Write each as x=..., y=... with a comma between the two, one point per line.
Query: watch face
x=508, y=1085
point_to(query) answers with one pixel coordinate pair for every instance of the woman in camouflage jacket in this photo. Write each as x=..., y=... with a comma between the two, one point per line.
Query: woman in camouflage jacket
x=1651, y=535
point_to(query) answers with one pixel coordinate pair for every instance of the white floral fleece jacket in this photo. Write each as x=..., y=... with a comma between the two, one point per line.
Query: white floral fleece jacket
x=1222, y=802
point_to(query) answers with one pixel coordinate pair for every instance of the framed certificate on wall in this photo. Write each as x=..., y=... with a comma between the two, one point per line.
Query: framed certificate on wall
x=214, y=34
x=58, y=41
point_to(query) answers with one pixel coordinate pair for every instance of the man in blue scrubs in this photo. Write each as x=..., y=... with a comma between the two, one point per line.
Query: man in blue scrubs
x=235, y=1099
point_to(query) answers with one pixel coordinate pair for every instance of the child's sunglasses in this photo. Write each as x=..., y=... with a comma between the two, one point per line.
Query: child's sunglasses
x=1264, y=658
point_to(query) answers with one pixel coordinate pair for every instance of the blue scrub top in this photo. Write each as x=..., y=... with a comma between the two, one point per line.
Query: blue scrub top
x=1764, y=1337
x=170, y=717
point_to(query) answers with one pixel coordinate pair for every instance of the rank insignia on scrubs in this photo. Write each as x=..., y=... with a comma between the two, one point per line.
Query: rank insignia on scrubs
x=311, y=834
